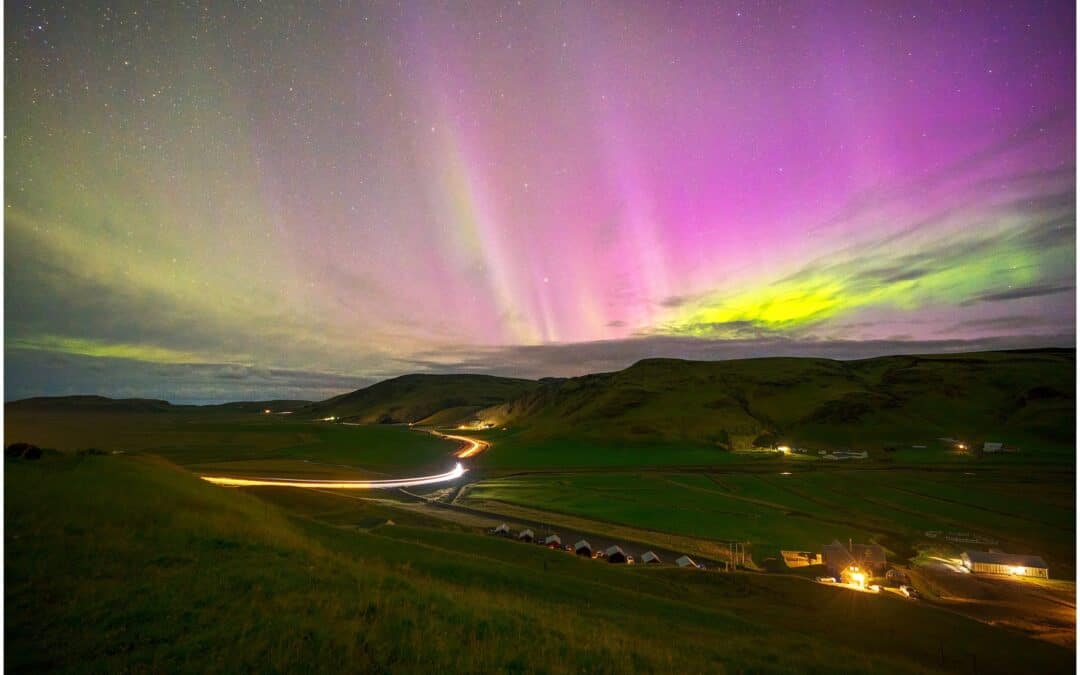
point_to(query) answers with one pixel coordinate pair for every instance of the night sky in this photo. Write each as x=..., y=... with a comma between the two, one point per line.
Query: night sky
x=213, y=201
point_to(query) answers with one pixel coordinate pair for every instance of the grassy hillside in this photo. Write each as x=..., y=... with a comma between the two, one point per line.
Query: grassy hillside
x=125, y=563
x=202, y=437
x=1026, y=398
x=412, y=398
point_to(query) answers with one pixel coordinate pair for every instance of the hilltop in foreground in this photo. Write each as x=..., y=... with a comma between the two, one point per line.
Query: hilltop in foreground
x=124, y=563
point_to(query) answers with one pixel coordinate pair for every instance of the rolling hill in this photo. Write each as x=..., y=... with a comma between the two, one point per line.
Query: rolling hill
x=1023, y=397
x=416, y=398
x=103, y=404
x=1026, y=398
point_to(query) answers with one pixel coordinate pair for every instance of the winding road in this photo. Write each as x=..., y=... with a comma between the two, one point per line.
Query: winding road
x=472, y=448
x=227, y=481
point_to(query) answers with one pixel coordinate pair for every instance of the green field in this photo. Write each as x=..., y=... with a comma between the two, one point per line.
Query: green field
x=194, y=436
x=1024, y=510
x=127, y=563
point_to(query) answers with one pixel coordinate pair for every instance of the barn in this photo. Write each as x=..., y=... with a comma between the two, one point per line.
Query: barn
x=650, y=558
x=552, y=541
x=526, y=535
x=867, y=557
x=615, y=554
x=981, y=562
x=583, y=548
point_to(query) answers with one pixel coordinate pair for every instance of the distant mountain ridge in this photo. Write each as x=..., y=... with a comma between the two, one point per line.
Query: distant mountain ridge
x=90, y=402
x=1024, y=397
x=1016, y=395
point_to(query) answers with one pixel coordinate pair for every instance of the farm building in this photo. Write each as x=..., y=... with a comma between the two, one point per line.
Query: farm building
x=614, y=554
x=685, y=561
x=981, y=562
x=800, y=558
x=502, y=530
x=583, y=548
x=868, y=557
x=526, y=535
x=552, y=541
x=650, y=558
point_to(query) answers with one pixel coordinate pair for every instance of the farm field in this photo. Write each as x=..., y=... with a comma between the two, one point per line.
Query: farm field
x=201, y=437
x=160, y=571
x=808, y=508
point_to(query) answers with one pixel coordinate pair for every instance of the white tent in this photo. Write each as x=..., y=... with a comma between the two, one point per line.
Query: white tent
x=650, y=557
x=685, y=561
x=583, y=548
x=552, y=540
x=503, y=529
x=526, y=535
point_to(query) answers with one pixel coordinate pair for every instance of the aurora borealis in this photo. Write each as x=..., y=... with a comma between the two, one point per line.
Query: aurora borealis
x=245, y=200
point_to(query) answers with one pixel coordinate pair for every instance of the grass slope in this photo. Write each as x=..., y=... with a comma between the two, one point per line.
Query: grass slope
x=1027, y=398
x=412, y=398
x=206, y=435
x=124, y=563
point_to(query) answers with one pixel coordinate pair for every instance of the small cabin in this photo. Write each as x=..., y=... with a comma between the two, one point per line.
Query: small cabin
x=526, y=535
x=583, y=548
x=552, y=541
x=615, y=554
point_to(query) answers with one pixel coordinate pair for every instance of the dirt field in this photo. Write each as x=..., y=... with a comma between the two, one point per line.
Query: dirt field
x=1045, y=609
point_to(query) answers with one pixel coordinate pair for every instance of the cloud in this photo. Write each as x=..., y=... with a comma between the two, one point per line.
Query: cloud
x=957, y=257
x=39, y=373
x=1018, y=293
x=566, y=360
x=998, y=323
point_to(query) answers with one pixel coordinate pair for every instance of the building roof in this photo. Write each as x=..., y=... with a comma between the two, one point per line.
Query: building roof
x=582, y=544
x=552, y=539
x=612, y=550
x=526, y=533
x=503, y=528
x=1010, y=559
x=685, y=561
x=649, y=556
x=838, y=555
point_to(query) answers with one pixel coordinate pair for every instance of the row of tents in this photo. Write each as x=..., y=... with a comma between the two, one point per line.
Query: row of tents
x=613, y=554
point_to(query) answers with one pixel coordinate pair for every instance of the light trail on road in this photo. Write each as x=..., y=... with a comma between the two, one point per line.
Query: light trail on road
x=229, y=481
x=473, y=448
